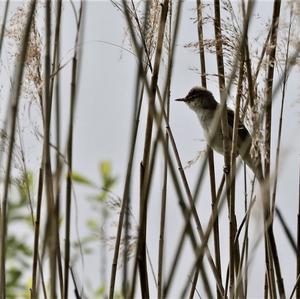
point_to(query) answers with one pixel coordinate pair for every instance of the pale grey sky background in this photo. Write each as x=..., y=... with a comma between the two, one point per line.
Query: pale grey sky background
x=102, y=132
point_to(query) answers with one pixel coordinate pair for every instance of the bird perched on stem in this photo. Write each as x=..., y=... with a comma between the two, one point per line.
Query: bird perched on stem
x=203, y=103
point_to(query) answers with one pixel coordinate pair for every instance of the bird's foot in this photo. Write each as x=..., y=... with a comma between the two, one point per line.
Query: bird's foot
x=226, y=169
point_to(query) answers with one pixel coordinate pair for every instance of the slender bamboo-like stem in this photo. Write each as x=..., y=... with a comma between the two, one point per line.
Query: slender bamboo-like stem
x=284, y=85
x=126, y=192
x=271, y=244
x=113, y=271
x=270, y=75
x=160, y=133
x=4, y=19
x=244, y=253
x=209, y=150
x=3, y=25
x=262, y=55
x=165, y=173
x=205, y=283
x=226, y=141
x=162, y=217
x=233, y=247
x=36, y=235
x=56, y=83
x=70, y=155
x=146, y=153
x=76, y=291
x=14, y=100
x=234, y=152
x=286, y=230
x=47, y=100
x=298, y=243
x=69, y=182
x=295, y=288
x=245, y=244
x=250, y=100
x=126, y=197
x=145, y=194
x=142, y=32
x=246, y=236
x=141, y=252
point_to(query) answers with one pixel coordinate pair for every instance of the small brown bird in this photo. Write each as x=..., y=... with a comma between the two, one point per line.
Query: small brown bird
x=203, y=103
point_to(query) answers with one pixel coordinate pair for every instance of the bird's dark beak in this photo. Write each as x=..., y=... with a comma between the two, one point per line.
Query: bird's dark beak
x=181, y=100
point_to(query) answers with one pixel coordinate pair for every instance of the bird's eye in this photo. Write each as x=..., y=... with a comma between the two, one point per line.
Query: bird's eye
x=193, y=94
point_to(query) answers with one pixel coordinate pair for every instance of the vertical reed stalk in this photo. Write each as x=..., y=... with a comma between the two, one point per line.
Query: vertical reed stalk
x=37, y=235
x=147, y=145
x=226, y=140
x=250, y=100
x=14, y=100
x=3, y=24
x=126, y=192
x=271, y=244
x=298, y=244
x=165, y=171
x=234, y=153
x=129, y=166
x=70, y=155
x=210, y=153
x=158, y=120
x=51, y=235
x=163, y=217
x=145, y=193
x=56, y=84
x=269, y=85
x=284, y=86
x=126, y=197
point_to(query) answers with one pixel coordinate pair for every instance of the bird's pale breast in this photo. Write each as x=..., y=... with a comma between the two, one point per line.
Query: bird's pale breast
x=206, y=118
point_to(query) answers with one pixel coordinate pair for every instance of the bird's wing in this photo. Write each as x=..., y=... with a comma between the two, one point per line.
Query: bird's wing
x=244, y=136
x=242, y=130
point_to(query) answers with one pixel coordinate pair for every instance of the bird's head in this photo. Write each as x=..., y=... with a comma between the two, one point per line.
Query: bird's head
x=199, y=98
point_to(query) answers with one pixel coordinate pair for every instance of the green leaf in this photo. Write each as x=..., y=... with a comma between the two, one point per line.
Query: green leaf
x=105, y=169
x=92, y=224
x=80, y=179
x=100, y=291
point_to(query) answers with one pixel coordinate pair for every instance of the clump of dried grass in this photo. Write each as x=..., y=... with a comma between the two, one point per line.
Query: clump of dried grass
x=32, y=83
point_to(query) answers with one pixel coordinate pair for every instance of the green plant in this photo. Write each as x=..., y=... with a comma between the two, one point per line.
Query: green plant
x=97, y=222
x=19, y=251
